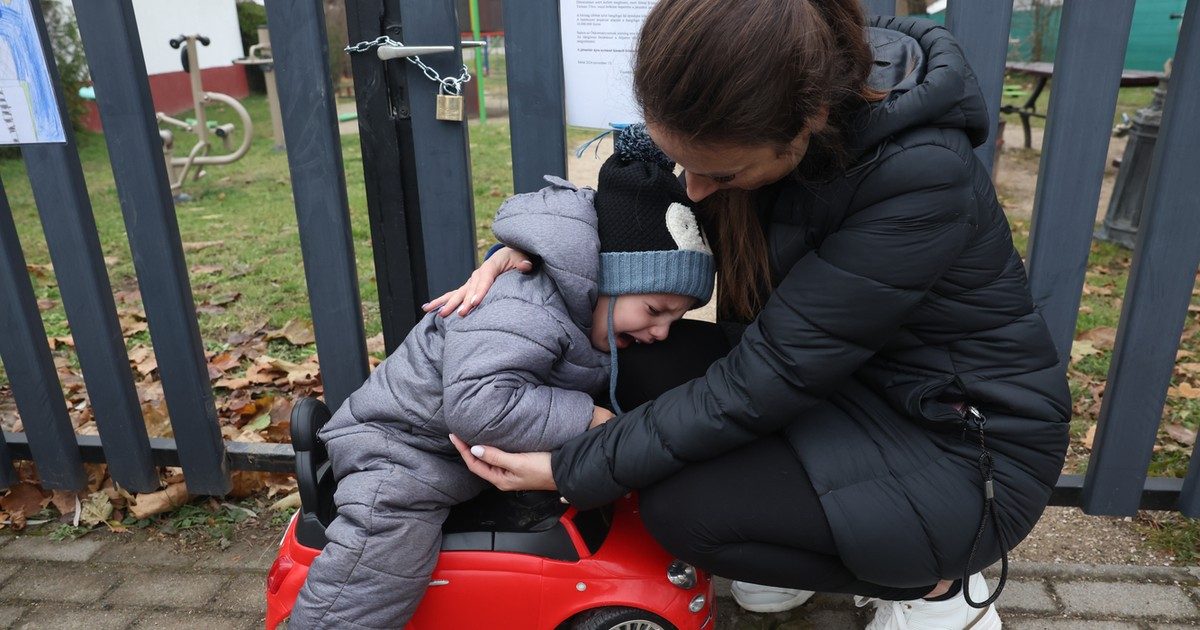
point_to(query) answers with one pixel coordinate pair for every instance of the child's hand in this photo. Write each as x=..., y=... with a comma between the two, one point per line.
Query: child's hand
x=471, y=293
x=600, y=415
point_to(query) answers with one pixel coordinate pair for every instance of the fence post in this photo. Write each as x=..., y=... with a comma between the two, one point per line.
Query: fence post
x=29, y=365
x=536, y=110
x=114, y=51
x=1088, y=63
x=314, y=150
x=1156, y=299
x=981, y=28
x=389, y=171
x=443, y=165
x=56, y=178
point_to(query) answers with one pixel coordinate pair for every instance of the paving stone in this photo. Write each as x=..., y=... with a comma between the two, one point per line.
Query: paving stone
x=56, y=616
x=1092, y=572
x=7, y=570
x=44, y=549
x=9, y=614
x=177, y=621
x=1126, y=599
x=162, y=588
x=1028, y=596
x=59, y=583
x=244, y=593
x=145, y=553
x=1067, y=624
x=252, y=555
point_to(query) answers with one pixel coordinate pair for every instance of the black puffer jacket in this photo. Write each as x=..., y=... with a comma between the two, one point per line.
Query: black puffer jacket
x=898, y=291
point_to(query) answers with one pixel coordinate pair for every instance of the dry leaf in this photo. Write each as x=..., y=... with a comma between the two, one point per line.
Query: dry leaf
x=1082, y=348
x=232, y=383
x=290, y=501
x=148, y=504
x=25, y=497
x=1181, y=434
x=298, y=333
x=1185, y=390
x=1102, y=337
x=199, y=245
x=375, y=344
x=64, y=500
x=95, y=510
x=203, y=269
x=1089, y=437
x=46, y=304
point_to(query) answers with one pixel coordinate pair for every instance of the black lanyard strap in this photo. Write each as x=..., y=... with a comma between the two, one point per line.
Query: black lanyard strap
x=975, y=421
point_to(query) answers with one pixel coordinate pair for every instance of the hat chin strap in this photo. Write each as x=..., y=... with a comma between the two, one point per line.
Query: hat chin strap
x=612, y=352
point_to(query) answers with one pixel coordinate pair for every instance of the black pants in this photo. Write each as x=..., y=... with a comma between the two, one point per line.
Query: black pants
x=750, y=514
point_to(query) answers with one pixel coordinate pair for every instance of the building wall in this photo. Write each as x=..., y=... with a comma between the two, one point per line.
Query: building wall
x=160, y=20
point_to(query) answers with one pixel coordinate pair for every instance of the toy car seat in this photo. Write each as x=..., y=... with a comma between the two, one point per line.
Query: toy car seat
x=520, y=522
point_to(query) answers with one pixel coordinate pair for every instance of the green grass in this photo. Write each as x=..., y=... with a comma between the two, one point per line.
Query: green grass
x=247, y=206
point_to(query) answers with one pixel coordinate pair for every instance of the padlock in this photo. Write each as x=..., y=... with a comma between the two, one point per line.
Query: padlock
x=450, y=107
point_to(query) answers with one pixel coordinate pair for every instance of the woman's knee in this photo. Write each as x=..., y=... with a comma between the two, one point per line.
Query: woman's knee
x=677, y=521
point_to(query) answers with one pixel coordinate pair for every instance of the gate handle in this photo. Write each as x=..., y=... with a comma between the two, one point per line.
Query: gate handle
x=396, y=52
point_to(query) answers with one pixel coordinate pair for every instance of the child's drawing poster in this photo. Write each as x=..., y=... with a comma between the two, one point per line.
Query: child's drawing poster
x=29, y=111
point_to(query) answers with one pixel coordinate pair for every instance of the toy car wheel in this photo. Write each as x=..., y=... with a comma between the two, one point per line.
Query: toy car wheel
x=620, y=618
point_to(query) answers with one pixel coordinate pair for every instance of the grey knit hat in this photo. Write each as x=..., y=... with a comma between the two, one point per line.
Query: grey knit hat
x=650, y=241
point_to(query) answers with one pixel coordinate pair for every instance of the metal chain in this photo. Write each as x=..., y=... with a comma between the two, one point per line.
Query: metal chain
x=452, y=85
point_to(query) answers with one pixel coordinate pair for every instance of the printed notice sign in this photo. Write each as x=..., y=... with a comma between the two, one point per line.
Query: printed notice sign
x=598, y=40
x=28, y=108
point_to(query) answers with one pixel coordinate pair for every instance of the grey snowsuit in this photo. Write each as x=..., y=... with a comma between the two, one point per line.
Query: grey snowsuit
x=517, y=373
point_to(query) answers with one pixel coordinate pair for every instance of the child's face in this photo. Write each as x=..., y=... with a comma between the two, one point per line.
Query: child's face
x=638, y=318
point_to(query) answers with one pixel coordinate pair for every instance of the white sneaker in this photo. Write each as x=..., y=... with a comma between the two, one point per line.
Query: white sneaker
x=767, y=599
x=919, y=614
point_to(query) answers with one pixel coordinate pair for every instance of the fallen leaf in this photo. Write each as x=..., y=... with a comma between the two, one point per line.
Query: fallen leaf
x=64, y=501
x=1082, y=348
x=289, y=502
x=259, y=423
x=375, y=344
x=46, y=304
x=1102, y=337
x=225, y=361
x=1185, y=390
x=40, y=271
x=25, y=497
x=95, y=509
x=1089, y=437
x=298, y=333
x=199, y=245
x=232, y=383
x=205, y=269
x=148, y=504
x=1181, y=434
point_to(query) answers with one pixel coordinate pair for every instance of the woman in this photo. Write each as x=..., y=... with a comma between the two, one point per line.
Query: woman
x=890, y=372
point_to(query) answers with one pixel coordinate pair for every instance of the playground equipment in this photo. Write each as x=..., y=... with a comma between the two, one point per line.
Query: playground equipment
x=178, y=167
x=260, y=55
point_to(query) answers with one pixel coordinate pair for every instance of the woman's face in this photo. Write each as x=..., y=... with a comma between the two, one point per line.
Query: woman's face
x=709, y=168
x=638, y=318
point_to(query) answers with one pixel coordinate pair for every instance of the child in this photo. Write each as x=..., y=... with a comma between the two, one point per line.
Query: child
x=518, y=373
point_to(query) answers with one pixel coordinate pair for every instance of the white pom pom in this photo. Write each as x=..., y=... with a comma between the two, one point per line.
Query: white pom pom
x=682, y=225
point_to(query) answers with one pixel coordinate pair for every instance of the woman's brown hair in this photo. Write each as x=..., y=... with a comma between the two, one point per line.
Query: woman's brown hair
x=746, y=73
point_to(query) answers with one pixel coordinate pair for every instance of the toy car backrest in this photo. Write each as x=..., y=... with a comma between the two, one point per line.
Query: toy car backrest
x=313, y=475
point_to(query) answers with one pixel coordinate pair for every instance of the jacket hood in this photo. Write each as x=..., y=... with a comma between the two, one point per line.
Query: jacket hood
x=928, y=81
x=558, y=225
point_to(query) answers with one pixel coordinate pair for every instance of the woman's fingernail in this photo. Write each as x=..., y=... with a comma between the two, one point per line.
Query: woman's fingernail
x=477, y=450
x=474, y=300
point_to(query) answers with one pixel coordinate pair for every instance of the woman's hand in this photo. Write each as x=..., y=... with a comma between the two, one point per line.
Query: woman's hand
x=468, y=296
x=507, y=471
x=600, y=415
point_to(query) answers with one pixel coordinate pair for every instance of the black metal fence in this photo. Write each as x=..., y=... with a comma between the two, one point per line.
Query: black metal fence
x=419, y=200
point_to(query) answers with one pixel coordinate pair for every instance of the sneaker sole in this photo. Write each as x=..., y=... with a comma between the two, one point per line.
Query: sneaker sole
x=774, y=607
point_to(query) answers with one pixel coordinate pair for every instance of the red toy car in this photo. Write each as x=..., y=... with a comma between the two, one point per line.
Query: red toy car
x=522, y=561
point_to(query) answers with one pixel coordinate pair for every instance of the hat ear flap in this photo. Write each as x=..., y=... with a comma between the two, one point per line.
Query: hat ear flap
x=685, y=230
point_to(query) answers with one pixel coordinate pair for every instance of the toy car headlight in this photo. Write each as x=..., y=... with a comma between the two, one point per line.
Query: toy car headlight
x=681, y=574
